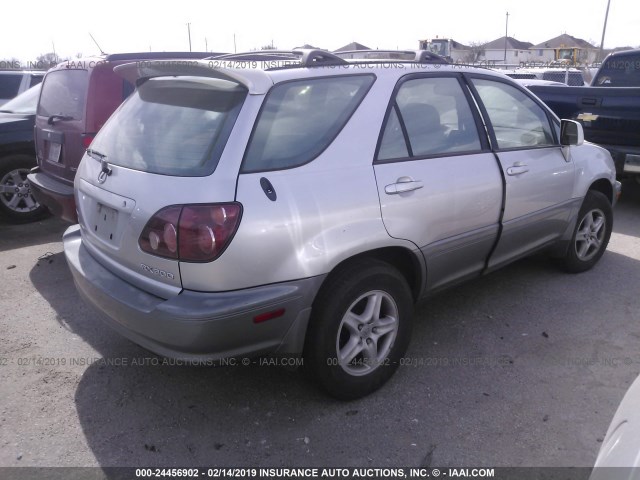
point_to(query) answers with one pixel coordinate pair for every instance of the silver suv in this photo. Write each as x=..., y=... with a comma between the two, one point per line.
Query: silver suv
x=300, y=204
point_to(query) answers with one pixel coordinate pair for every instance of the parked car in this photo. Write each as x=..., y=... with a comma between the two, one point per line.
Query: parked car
x=609, y=110
x=619, y=456
x=14, y=82
x=18, y=157
x=78, y=96
x=230, y=212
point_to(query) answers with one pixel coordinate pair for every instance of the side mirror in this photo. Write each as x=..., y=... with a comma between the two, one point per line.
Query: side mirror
x=571, y=133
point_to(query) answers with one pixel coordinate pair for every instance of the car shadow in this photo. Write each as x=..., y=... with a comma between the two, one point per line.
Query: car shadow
x=137, y=409
x=48, y=230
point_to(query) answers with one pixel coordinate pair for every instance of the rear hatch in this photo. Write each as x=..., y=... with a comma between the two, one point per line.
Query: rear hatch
x=60, y=122
x=149, y=191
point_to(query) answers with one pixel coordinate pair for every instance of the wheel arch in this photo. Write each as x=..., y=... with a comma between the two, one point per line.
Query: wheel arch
x=603, y=186
x=410, y=264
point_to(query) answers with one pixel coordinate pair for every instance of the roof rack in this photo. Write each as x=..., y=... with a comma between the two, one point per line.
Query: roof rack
x=418, y=56
x=299, y=57
x=158, y=55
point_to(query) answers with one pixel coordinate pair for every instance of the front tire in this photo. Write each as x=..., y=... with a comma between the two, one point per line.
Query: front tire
x=591, y=235
x=17, y=203
x=360, y=328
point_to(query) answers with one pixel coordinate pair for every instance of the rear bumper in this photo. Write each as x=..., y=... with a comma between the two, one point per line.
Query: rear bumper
x=195, y=326
x=55, y=195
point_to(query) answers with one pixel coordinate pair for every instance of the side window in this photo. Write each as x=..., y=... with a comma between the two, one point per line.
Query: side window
x=300, y=119
x=35, y=80
x=9, y=85
x=393, y=144
x=436, y=118
x=518, y=121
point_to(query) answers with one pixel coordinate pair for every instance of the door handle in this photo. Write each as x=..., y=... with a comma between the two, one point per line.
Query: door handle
x=403, y=185
x=517, y=169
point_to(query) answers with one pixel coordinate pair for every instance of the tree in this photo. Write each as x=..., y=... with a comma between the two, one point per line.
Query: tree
x=475, y=53
x=49, y=58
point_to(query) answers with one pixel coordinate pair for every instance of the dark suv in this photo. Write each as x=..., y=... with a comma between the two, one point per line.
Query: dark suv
x=78, y=96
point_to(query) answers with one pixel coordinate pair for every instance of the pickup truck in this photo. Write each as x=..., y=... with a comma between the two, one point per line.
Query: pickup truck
x=609, y=109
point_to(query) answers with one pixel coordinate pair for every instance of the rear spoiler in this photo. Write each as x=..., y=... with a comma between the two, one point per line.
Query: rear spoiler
x=257, y=81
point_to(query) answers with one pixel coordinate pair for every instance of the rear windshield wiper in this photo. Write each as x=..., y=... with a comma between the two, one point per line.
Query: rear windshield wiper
x=53, y=118
x=95, y=154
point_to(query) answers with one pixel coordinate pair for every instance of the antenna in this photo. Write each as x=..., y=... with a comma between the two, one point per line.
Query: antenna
x=94, y=41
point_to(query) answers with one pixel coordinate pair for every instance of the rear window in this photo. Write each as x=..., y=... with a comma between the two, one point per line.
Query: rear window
x=172, y=126
x=9, y=85
x=64, y=93
x=620, y=71
x=300, y=119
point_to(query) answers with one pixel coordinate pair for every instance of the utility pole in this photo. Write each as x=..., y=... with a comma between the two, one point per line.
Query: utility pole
x=189, y=32
x=235, y=49
x=506, y=30
x=604, y=29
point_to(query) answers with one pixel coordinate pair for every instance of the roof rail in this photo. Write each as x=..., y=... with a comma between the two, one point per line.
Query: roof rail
x=158, y=55
x=418, y=56
x=305, y=57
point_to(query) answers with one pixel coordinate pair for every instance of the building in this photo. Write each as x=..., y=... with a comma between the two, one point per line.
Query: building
x=352, y=46
x=565, y=47
x=510, y=52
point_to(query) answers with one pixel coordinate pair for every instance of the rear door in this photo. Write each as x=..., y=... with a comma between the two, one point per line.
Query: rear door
x=60, y=122
x=438, y=182
x=539, y=179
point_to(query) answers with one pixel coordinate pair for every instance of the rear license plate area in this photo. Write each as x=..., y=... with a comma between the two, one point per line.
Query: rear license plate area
x=105, y=223
x=53, y=155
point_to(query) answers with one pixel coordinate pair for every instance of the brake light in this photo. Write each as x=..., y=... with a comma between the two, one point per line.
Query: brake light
x=87, y=139
x=191, y=233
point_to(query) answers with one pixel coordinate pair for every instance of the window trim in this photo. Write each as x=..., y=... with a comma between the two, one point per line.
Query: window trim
x=329, y=143
x=551, y=117
x=482, y=135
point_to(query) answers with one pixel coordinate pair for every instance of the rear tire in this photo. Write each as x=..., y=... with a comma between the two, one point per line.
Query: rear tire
x=591, y=235
x=360, y=328
x=17, y=203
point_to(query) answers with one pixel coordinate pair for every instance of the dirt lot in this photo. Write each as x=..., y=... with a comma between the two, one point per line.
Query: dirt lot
x=524, y=367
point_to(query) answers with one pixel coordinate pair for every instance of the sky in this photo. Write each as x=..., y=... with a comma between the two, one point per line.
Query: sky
x=32, y=28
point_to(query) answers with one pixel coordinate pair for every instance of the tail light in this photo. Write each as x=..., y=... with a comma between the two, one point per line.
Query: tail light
x=87, y=138
x=191, y=233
